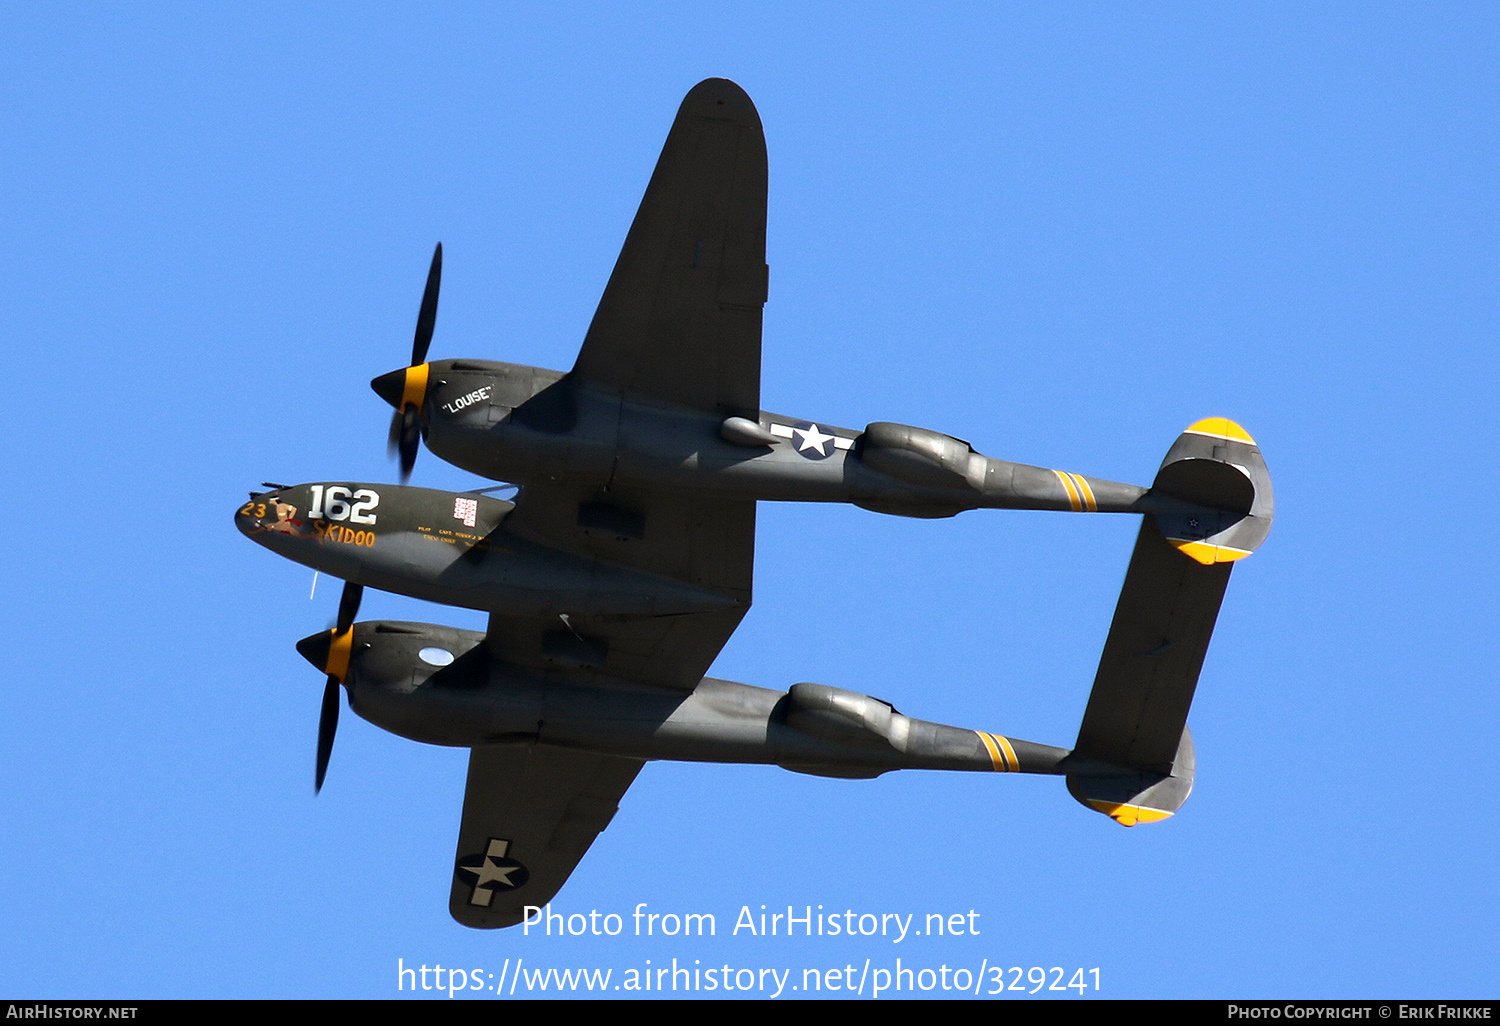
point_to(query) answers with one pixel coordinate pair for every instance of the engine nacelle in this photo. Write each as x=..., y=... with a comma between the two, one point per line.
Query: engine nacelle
x=928, y=459
x=845, y=717
x=430, y=683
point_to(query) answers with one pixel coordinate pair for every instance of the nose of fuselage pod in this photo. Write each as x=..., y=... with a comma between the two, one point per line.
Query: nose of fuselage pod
x=279, y=511
x=244, y=515
x=253, y=517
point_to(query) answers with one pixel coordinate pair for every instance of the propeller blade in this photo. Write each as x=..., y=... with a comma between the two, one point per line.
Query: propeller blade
x=349, y=605
x=328, y=721
x=410, y=441
x=399, y=387
x=393, y=440
x=328, y=725
x=427, y=315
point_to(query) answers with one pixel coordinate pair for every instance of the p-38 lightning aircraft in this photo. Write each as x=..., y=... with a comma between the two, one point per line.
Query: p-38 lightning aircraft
x=624, y=562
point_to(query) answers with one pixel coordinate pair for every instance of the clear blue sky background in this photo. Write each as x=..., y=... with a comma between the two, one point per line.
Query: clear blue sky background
x=1061, y=232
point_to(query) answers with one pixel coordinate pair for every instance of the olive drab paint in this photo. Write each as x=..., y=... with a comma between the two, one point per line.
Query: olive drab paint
x=623, y=564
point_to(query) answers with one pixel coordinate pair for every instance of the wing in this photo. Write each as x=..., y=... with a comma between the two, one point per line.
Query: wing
x=680, y=319
x=530, y=814
x=704, y=542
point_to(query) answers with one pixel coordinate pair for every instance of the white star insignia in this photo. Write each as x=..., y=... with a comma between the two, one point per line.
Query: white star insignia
x=490, y=873
x=812, y=438
x=487, y=873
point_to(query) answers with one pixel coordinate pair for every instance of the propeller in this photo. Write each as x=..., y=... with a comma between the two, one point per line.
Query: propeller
x=406, y=431
x=337, y=665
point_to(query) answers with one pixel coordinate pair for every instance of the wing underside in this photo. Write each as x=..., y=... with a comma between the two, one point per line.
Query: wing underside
x=680, y=320
x=703, y=542
x=530, y=814
x=531, y=811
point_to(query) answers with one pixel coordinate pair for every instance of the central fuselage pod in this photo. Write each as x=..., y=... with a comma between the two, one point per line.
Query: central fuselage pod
x=453, y=548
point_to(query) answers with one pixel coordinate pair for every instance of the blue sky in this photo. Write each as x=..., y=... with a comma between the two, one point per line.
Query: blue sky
x=1061, y=232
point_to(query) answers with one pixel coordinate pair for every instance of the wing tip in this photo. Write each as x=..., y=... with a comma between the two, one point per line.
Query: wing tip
x=720, y=98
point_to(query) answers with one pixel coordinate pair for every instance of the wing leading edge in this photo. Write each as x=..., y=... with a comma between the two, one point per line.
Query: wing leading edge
x=680, y=320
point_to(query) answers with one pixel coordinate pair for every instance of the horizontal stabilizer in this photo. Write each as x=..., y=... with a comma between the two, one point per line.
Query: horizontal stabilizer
x=1211, y=505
